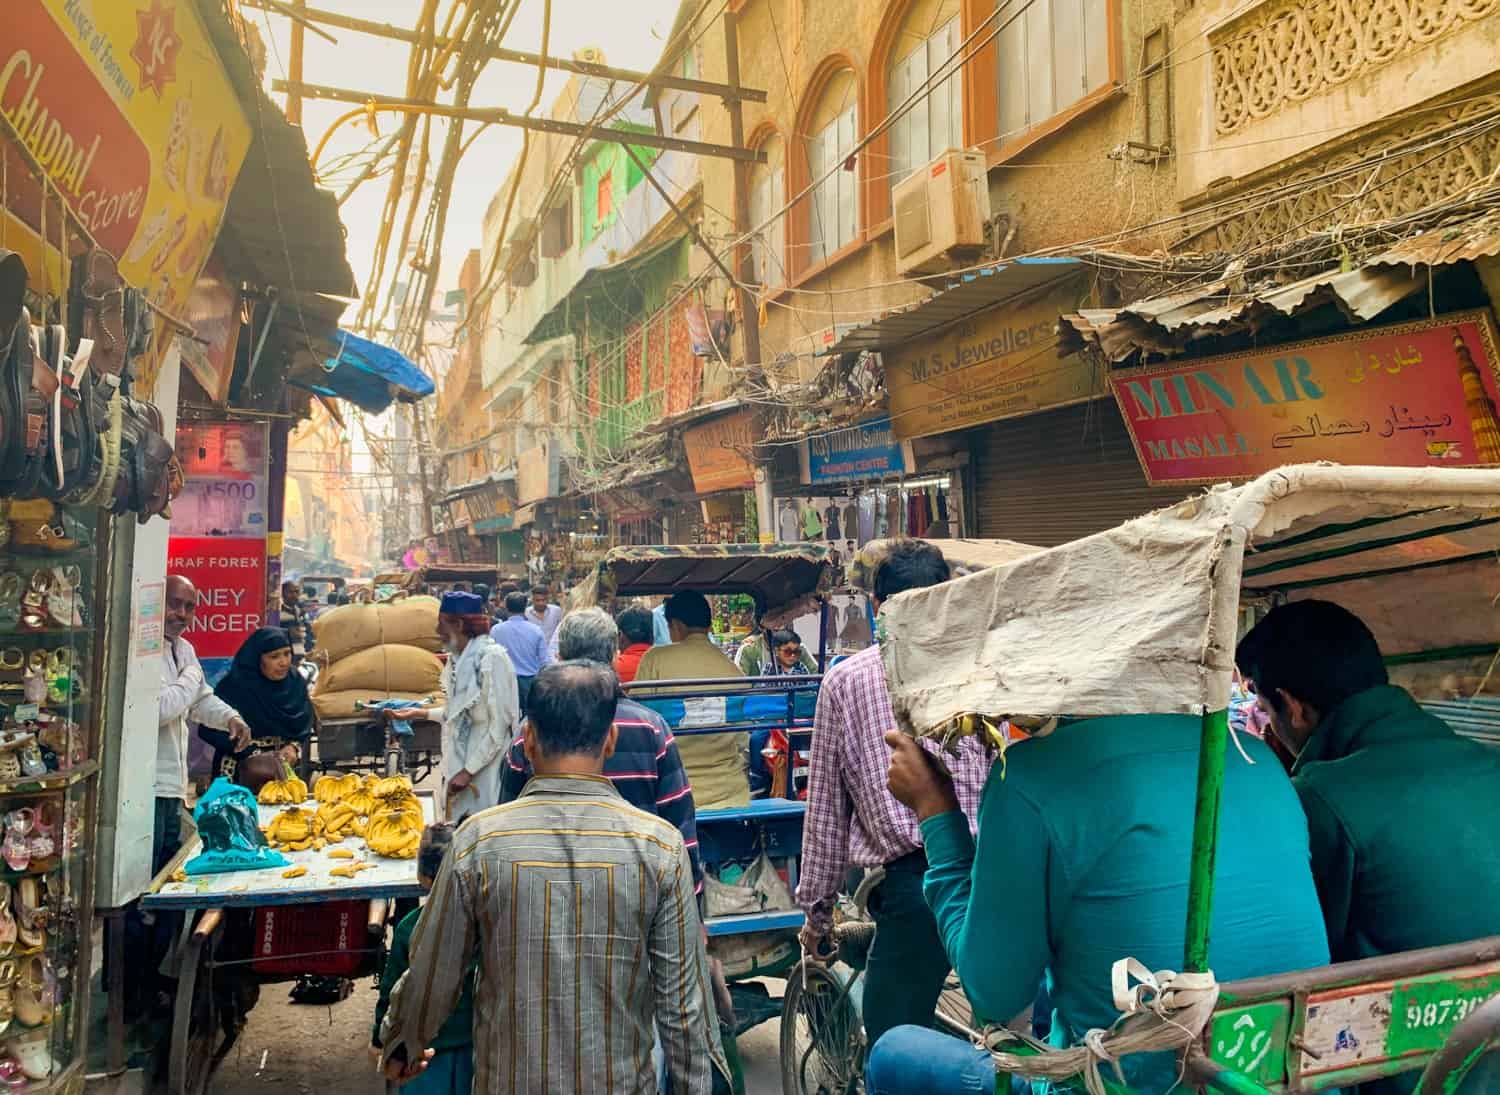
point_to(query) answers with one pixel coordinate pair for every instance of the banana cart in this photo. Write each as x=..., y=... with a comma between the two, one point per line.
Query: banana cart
x=245, y=929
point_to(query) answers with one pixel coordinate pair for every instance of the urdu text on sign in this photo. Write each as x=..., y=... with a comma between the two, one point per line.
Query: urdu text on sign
x=1420, y=394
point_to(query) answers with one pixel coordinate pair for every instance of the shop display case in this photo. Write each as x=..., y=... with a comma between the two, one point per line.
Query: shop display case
x=50, y=690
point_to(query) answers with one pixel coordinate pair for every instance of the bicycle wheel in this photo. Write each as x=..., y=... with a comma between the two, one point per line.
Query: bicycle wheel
x=822, y=1034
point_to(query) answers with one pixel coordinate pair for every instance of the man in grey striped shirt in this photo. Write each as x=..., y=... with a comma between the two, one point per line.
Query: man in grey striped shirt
x=581, y=911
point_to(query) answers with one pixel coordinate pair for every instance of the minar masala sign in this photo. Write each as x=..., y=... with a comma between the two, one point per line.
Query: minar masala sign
x=126, y=106
x=1410, y=395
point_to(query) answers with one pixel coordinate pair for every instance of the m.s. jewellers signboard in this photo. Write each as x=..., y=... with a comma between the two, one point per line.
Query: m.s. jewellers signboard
x=1410, y=395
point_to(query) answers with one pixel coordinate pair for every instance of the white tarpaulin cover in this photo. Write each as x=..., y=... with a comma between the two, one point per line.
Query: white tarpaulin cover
x=1142, y=618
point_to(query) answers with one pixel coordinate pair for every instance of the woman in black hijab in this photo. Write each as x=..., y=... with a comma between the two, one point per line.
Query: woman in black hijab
x=270, y=697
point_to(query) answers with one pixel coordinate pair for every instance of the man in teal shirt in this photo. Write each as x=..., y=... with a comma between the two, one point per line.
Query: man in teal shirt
x=1081, y=859
x=1403, y=812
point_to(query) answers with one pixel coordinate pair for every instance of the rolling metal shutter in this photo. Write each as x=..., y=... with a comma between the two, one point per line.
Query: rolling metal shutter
x=1056, y=476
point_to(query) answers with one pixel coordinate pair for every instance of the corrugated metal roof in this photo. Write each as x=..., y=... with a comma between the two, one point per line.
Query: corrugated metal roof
x=1169, y=325
x=972, y=292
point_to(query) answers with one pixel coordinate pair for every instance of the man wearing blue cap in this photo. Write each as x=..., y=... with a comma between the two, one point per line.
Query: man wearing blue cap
x=483, y=711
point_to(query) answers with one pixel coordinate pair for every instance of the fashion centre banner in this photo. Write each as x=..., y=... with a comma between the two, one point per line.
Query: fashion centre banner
x=126, y=106
x=867, y=451
x=1418, y=394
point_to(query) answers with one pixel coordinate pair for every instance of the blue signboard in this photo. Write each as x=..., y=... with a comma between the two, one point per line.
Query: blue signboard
x=867, y=451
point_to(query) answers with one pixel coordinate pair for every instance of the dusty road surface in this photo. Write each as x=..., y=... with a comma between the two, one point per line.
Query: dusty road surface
x=292, y=1049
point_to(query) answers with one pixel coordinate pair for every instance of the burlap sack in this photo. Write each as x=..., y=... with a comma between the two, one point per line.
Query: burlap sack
x=411, y=621
x=388, y=668
x=340, y=705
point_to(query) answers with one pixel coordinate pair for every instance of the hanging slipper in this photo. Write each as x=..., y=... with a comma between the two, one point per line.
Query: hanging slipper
x=12, y=669
x=10, y=598
x=34, y=683
x=34, y=602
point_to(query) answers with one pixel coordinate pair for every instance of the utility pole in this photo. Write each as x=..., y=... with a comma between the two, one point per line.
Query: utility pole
x=765, y=512
x=294, y=61
x=749, y=321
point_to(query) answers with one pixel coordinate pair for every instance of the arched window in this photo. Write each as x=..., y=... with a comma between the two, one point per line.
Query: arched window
x=767, y=197
x=829, y=132
x=929, y=36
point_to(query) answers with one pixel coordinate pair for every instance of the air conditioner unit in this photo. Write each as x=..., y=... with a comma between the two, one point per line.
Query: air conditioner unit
x=941, y=212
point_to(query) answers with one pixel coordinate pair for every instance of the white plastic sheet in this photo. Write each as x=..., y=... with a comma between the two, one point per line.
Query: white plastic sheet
x=1142, y=617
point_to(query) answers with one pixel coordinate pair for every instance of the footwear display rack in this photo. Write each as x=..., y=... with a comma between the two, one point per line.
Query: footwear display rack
x=50, y=661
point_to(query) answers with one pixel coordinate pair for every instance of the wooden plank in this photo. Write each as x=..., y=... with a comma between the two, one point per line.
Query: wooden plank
x=516, y=56
x=498, y=116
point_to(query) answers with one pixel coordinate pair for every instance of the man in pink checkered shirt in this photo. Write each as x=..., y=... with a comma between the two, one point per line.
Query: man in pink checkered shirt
x=853, y=820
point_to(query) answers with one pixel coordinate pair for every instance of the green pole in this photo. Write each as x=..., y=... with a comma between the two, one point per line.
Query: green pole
x=1205, y=838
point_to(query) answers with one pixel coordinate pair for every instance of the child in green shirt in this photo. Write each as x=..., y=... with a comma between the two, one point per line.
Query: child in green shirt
x=451, y=1071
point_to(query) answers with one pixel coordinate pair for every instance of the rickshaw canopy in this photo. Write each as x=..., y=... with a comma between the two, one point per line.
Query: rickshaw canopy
x=1144, y=617
x=777, y=576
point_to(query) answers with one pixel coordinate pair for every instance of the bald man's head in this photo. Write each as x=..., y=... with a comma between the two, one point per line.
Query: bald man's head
x=182, y=605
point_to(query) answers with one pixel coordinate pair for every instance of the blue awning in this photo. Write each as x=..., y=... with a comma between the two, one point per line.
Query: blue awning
x=369, y=375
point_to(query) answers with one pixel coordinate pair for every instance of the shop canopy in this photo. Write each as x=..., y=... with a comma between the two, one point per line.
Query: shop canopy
x=614, y=293
x=971, y=292
x=1180, y=323
x=784, y=577
x=368, y=375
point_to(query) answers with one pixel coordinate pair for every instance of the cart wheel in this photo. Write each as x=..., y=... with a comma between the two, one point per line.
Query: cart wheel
x=822, y=1035
x=196, y=1025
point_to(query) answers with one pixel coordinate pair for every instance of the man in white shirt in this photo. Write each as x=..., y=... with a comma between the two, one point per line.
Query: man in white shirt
x=184, y=695
x=545, y=615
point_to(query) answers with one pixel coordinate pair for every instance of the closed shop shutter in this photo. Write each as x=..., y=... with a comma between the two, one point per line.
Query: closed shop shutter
x=1056, y=476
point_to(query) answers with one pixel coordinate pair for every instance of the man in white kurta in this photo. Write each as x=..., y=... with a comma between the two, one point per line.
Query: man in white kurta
x=483, y=711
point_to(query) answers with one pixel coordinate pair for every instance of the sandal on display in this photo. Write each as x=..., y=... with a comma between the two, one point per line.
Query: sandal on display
x=31, y=1050
x=10, y=765
x=33, y=995
x=12, y=668
x=32, y=764
x=11, y=1076
x=17, y=849
x=9, y=932
x=34, y=682
x=42, y=845
x=60, y=678
x=34, y=602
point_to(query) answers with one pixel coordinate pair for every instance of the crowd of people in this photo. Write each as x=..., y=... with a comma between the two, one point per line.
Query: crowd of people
x=563, y=936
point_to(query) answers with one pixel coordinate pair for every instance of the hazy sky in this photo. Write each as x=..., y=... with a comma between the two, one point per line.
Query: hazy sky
x=630, y=32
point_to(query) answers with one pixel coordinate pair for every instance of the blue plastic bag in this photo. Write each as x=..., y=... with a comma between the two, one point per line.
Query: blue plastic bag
x=228, y=821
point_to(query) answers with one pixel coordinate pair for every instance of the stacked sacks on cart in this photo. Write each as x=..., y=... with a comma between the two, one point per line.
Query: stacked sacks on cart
x=377, y=652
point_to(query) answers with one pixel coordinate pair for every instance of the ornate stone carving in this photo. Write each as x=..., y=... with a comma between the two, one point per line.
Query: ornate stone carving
x=1288, y=51
x=1389, y=187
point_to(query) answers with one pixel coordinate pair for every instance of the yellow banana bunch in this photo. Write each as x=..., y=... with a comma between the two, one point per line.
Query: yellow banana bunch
x=362, y=802
x=294, y=830
x=394, y=834
x=283, y=792
x=330, y=789
x=390, y=785
x=337, y=820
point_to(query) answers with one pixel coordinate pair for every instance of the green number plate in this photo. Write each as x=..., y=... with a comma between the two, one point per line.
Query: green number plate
x=1424, y=1013
x=1252, y=1040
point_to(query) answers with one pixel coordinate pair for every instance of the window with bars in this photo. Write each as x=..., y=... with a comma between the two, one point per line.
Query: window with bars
x=935, y=123
x=1051, y=54
x=834, y=212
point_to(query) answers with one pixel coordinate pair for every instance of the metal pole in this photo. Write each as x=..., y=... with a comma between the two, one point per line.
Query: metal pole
x=749, y=320
x=294, y=60
x=678, y=213
x=1215, y=739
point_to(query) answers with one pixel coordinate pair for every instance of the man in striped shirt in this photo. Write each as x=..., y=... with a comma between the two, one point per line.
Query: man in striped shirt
x=644, y=767
x=853, y=819
x=580, y=909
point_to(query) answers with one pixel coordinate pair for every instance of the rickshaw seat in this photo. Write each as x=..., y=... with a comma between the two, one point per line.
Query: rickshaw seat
x=759, y=809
